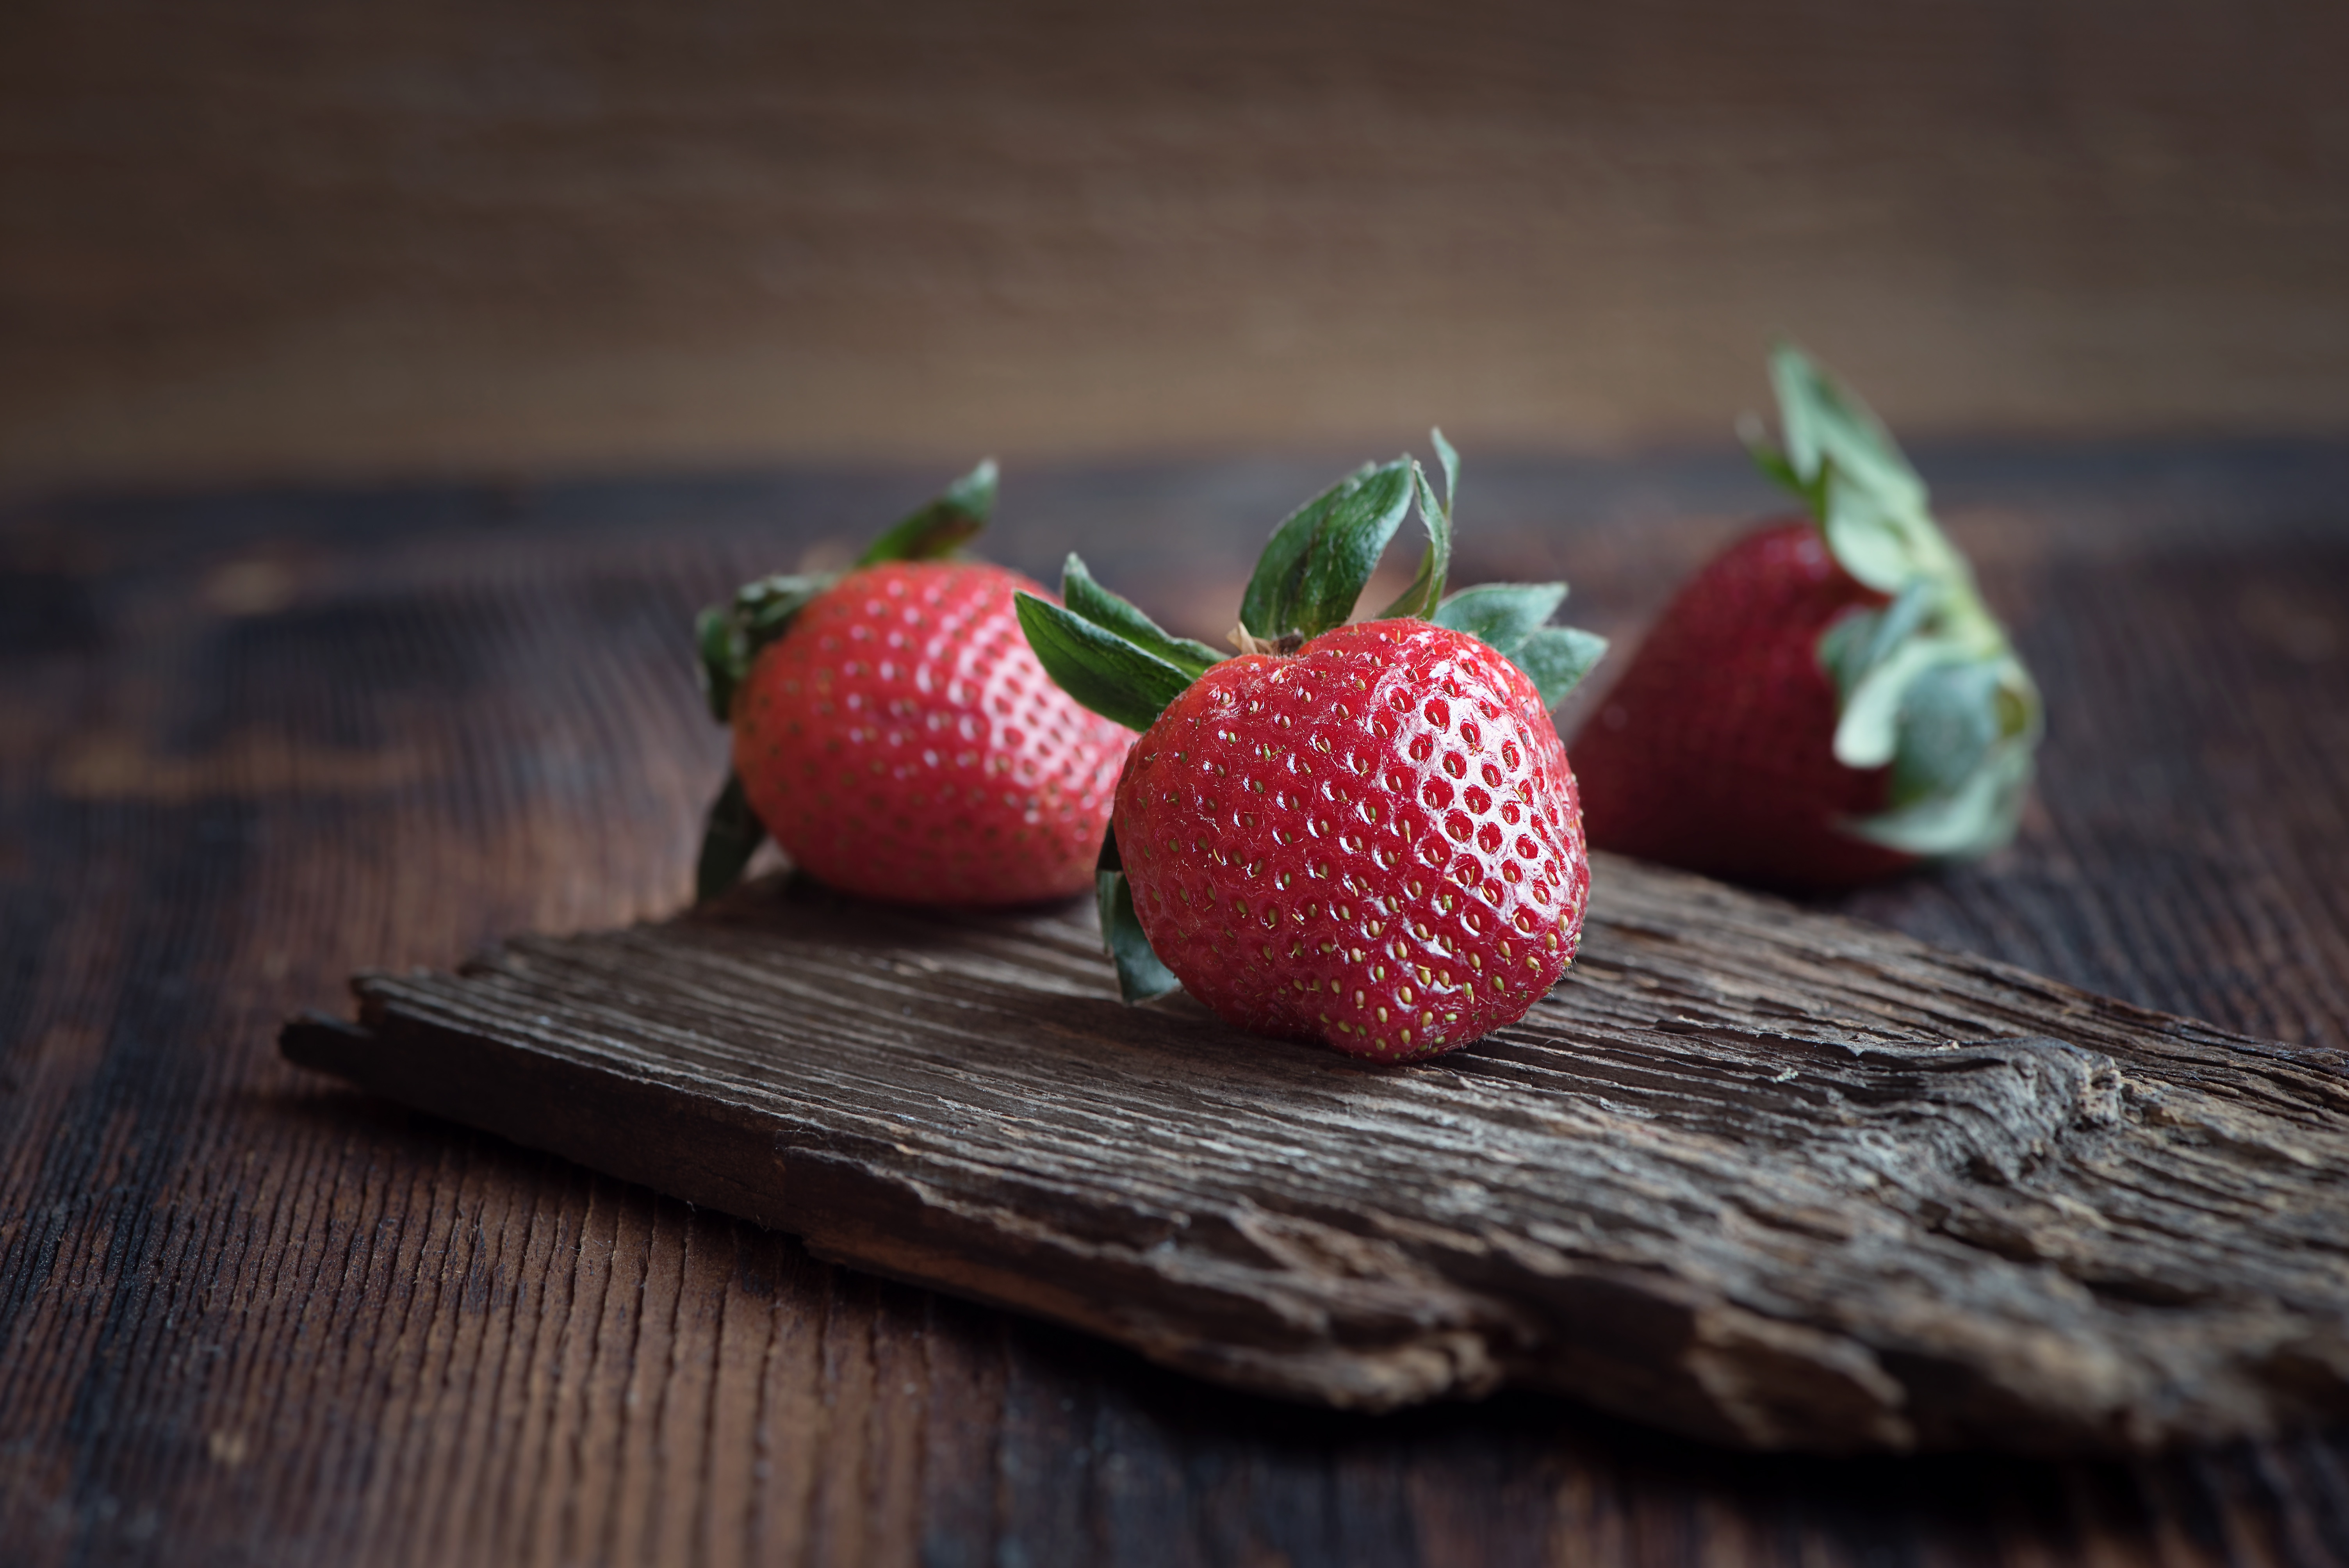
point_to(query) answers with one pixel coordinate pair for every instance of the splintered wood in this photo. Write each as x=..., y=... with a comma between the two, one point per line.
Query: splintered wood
x=1765, y=1176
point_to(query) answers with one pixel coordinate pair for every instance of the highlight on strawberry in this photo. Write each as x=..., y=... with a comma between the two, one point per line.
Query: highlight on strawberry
x=1363, y=834
x=893, y=733
x=1828, y=701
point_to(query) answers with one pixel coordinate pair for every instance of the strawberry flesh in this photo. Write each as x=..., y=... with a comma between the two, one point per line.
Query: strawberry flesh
x=1375, y=843
x=901, y=742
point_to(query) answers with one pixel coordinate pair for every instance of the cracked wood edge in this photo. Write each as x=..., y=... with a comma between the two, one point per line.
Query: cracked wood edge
x=1761, y=1175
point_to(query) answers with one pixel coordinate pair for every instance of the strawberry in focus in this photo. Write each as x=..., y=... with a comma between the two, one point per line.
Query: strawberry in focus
x=1827, y=702
x=1366, y=834
x=894, y=734
x=1373, y=843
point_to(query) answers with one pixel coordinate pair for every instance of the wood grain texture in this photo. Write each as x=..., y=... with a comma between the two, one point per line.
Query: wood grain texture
x=267, y=238
x=1767, y=1178
x=252, y=742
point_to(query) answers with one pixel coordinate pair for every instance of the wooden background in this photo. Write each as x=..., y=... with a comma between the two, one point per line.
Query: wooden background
x=261, y=238
x=251, y=741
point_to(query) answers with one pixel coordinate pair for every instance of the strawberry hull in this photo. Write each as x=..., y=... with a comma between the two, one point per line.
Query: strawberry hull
x=1715, y=750
x=1376, y=843
x=902, y=742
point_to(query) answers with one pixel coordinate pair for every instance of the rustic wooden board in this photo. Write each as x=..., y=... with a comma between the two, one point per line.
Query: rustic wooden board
x=1770, y=1177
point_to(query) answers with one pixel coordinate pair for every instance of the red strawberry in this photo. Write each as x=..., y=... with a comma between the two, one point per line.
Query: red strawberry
x=1365, y=835
x=896, y=735
x=1374, y=842
x=1715, y=750
x=1825, y=702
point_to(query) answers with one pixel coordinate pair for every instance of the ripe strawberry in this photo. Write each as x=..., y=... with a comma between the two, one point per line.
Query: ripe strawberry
x=1828, y=701
x=1361, y=834
x=1374, y=842
x=894, y=734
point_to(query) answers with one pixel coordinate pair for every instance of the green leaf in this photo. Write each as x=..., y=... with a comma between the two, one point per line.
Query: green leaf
x=765, y=595
x=1088, y=598
x=1853, y=476
x=1426, y=591
x=1949, y=721
x=1846, y=649
x=1141, y=977
x=765, y=608
x=1503, y=614
x=1102, y=670
x=728, y=841
x=1315, y=565
x=723, y=661
x=729, y=637
x=1887, y=547
x=1556, y=659
x=1857, y=641
x=1929, y=684
x=1449, y=460
x=1509, y=618
x=1826, y=423
x=1973, y=819
x=1775, y=466
x=1867, y=732
x=940, y=528
x=1865, y=540
x=1964, y=727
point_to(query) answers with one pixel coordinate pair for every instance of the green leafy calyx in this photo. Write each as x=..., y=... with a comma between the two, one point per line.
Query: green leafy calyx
x=1105, y=653
x=1116, y=661
x=728, y=839
x=944, y=525
x=1319, y=559
x=1426, y=590
x=1141, y=977
x=1927, y=683
x=1512, y=617
x=729, y=636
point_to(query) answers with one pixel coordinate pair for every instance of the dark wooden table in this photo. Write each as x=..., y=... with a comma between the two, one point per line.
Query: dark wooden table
x=250, y=743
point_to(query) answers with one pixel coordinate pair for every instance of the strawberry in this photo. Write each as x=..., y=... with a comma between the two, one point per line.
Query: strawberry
x=1828, y=701
x=1365, y=835
x=894, y=732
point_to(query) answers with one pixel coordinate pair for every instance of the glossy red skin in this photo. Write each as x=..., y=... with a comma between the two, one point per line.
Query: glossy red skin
x=901, y=742
x=1375, y=843
x=1715, y=751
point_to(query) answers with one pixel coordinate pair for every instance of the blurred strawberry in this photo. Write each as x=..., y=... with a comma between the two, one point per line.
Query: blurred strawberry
x=896, y=735
x=1828, y=701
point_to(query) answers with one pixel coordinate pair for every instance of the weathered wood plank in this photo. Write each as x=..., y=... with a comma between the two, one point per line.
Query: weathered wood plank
x=1767, y=1176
